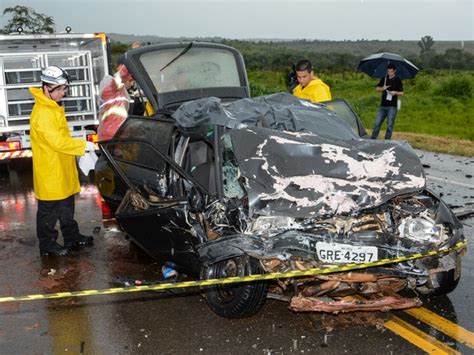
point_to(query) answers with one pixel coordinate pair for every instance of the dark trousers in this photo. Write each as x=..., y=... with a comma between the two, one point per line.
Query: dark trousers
x=49, y=212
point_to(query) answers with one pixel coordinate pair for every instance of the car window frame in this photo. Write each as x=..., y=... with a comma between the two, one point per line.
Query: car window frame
x=173, y=165
x=163, y=101
x=361, y=129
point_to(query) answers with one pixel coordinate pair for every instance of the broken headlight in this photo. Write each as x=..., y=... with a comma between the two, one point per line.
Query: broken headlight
x=421, y=228
x=268, y=224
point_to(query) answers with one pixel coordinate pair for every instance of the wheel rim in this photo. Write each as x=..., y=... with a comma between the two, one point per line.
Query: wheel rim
x=227, y=268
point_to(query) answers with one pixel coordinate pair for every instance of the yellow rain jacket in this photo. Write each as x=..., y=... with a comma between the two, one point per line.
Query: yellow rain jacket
x=55, y=174
x=315, y=91
x=148, y=110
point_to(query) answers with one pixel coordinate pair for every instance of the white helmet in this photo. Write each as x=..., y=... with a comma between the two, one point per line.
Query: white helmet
x=54, y=75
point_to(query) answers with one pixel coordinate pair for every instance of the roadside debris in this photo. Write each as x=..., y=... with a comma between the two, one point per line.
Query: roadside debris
x=464, y=211
x=330, y=322
x=168, y=271
x=384, y=304
x=128, y=282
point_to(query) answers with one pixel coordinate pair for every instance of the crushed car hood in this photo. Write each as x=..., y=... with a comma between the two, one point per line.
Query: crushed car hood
x=302, y=174
x=282, y=111
x=301, y=160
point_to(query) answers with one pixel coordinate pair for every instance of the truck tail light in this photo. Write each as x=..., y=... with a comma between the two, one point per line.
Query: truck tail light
x=10, y=146
x=92, y=138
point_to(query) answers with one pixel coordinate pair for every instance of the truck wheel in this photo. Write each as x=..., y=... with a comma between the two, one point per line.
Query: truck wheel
x=236, y=300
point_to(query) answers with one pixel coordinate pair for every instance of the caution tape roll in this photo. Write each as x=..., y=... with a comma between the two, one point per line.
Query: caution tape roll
x=230, y=280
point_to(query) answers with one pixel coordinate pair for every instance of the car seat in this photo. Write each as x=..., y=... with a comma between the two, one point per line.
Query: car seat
x=205, y=175
x=201, y=164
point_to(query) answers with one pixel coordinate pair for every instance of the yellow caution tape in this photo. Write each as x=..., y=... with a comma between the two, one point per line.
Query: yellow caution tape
x=230, y=280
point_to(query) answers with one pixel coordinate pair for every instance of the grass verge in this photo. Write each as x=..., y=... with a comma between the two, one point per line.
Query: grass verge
x=436, y=144
x=437, y=112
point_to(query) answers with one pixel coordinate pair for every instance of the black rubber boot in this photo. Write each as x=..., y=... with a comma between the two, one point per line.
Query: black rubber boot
x=53, y=249
x=80, y=241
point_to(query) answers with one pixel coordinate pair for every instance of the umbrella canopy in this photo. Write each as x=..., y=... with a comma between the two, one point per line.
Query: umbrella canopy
x=376, y=65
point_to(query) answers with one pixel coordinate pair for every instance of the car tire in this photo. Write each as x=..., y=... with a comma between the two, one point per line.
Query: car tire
x=444, y=282
x=447, y=282
x=236, y=300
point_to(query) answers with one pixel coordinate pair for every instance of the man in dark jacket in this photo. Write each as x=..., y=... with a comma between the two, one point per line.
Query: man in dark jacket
x=391, y=87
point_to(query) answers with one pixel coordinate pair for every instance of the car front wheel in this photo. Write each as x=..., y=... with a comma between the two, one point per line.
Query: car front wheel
x=445, y=281
x=235, y=300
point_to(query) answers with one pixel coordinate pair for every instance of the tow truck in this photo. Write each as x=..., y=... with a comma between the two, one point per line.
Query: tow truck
x=22, y=57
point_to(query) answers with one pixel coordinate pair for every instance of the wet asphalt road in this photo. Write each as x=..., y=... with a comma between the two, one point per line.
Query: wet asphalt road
x=153, y=322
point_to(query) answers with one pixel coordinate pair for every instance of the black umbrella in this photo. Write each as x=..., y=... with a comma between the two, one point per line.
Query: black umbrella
x=376, y=65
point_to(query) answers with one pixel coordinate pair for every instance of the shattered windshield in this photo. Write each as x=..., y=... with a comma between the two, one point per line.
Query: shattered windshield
x=197, y=68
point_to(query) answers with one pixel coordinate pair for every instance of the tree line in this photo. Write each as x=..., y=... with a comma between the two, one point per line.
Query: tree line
x=277, y=56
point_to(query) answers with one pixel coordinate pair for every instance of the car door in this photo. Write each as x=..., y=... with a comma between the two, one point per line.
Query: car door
x=152, y=209
x=345, y=111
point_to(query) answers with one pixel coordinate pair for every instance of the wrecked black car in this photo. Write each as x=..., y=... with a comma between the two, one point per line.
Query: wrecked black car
x=222, y=185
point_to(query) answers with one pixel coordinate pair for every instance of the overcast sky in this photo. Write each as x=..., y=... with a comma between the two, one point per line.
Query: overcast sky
x=311, y=19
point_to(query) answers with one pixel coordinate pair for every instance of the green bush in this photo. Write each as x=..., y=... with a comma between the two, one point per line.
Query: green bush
x=257, y=89
x=450, y=115
x=264, y=82
x=422, y=84
x=429, y=71
x=117, y=50
x=329, y=81
x=456, y=87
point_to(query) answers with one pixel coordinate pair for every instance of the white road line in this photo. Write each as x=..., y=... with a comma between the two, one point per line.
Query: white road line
x=452, y=182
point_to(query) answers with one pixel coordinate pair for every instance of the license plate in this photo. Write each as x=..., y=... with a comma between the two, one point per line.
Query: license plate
x=345, y=253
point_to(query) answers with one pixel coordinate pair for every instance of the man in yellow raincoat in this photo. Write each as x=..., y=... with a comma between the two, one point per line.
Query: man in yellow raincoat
x=310, y=87
x=55, y=175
